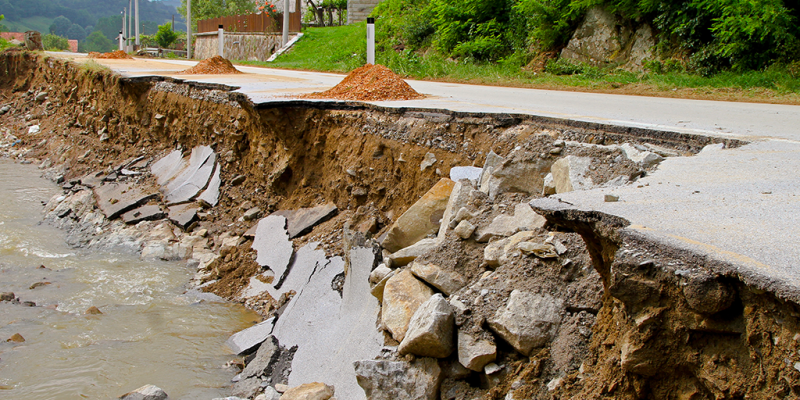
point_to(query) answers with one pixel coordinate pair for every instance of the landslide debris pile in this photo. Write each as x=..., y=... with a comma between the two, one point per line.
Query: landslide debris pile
x=370, y=83
x=215, y=65
x=114, y=55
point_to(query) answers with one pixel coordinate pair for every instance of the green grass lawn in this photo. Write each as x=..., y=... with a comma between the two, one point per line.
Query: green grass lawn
x=342, y=49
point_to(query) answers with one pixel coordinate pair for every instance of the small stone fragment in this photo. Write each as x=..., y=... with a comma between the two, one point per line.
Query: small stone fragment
x=448, y=282
x=428, y=161
x=611, y=198
x=16, y=338
x=251, y=214
x=541, y=250
x=464, y=229
x=309, y=391
x=93, y=311
x=238, y=180
x=475, y=353
x=430, y=332
x=147, y=392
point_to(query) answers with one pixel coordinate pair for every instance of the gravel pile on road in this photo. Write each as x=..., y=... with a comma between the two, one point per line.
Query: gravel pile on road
x=213, y=65
x=370, y=83
x=116, y=55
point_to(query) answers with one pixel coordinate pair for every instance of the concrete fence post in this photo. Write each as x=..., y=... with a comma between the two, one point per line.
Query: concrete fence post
x=371, y=41
x=221, y=40
x=120, y=40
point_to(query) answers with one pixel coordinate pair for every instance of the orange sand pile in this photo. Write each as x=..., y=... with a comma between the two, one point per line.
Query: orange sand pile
x=370, y=83
x=213, y=65
x=117, y=55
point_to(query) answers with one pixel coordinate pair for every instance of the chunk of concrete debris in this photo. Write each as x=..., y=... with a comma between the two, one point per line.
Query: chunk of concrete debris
x=421, y=219
x=266, y=359
x=270, y=393
x=402, y=296
x=245, y=341
x=411, y=253
x=93, y=179
x=143, y=213
x=114, y=199
x=270, y=366
x=167, y=167
x=524, y=219
x=191, y=179
x=147, y=392
x=522, y=172
x=427, y=161
x=529, y=320
x=448, y=282
x=301, y=221
x=183, y=215
x=641, y=155
x=430, y=331
x=399, y=380
x=474, y=353
x=210, y=196
x=309, y=391
x=569, y=173
x=464, y=229
x=473, y=174
x=304, y=264
x=272, y=245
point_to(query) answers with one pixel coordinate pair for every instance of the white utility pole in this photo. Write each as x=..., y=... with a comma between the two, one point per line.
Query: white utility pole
x=188, y=29
x=137, y=22
x=285, y=37
x=129, y=31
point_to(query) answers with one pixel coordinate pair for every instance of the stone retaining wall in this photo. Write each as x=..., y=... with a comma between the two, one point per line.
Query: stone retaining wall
x=238, y=46
x=358, y=10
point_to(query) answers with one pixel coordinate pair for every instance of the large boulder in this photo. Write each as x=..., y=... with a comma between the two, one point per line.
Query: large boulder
x=402, y=296
x=399, y=380
x=521, y=172
x=421, y=219
x=430, y=332
x=529, y=320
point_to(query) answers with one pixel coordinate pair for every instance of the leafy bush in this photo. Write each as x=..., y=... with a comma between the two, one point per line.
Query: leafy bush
x=165, y=35
x=54, y=42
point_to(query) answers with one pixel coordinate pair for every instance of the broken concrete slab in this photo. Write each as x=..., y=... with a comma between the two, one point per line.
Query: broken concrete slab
x=473, y=174
x=524, y=219
x=569, y=173
x=93, y=179
x=430, y=332
x=448, y=282
x=301, y=221
x=529, y=320
x=183, y=215
x=641, y=155
x=307, y=260
x=167, y=167
x=143, y=213
x=421, y=219
x=245, y=341
x=211, y=195
x=399, y=380
x=192, y=180
x=402, y=296
x=114, y=199
x=272, y=245
x=411, y=253
x=474, y=353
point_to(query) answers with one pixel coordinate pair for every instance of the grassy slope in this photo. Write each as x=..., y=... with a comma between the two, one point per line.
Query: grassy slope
x=41, y=24
x=342, y=49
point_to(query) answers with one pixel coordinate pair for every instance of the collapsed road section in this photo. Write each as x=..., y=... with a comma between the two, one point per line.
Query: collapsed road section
x=399, y=253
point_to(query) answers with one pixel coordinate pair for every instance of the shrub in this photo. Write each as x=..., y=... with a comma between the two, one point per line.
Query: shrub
x=165, y=35
x=54, y=42
x=562, y=66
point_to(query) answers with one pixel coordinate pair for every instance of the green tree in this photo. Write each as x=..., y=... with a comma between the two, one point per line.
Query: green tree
x=165, y=35
x=96, y=42
x=76, y=32
x=55, y=42
x=109, y=26
x=60, y=26
x=2, y=27
x=205, y=9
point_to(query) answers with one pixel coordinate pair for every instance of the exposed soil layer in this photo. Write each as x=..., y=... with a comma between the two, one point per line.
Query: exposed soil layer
x=369, y=83
x=213, y=65
x=117, y=54
x=643, y=321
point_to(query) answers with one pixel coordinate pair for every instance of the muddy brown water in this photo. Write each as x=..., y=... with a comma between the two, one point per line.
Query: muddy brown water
x=151, y=331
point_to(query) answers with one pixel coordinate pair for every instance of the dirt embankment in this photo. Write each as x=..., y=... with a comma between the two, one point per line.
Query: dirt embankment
x=660, y=324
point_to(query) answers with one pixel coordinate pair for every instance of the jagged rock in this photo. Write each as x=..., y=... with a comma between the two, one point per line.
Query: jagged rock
x=246, y=388
x=473, y=174
x=114, y=199
x=244, y=341
x=493, y=161
x=569, y=174
x=549, y=185
x=475, y=353
x=411, y=253
x=272, y=245
x=210, y=196
x=305, y=262
x=708, y=296
x=496, y=253
x=529, y=320
x=448, y=282
x=430, y=331
x=301, y=221
x=309, y=391
x=33, y=41
x=251, y=214
x=143, y=213
x=420, y=219
x=183, y=215
x=642, y=156
x=402, y=296
x=270, y=393
x=40, y=97
x=147, y=392
x=93, y=180
x=379, y=273
x=379, y=287
x=399, y=380
x=428, y=161
x=541, y=250
x=270, y=363
x=459, y=197
x=464, y=229
x=524, y=219
x=7, y=296
x=522, y=172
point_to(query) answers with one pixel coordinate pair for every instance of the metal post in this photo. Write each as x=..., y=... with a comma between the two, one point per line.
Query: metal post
x=129, y=21
x=221, y=41
x=285, y=37
x=136, y=2
x=120, y=40
x=188, y=29
x=371, y=41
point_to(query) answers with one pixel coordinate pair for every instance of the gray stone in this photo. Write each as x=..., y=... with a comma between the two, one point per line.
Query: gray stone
x=464, y=229
x=245, y=341
x=428, y=161
x=524, y=219
x=268, y=362
x=549, y=185
x=522, y=172
x=183, y=215
x=459, y=198
x=473, y=174
x=569, y=173
x=399, y=380
x=211, y=195
x=246, y=388
x=411, y=253
x=474, y=353
x=448, y=282
x=147, y=392
x=529, y=320
x=272, y=245
x=251, y=214
x=270, y=394
x=191, y=178
x=430, y=331
x=114, y=199
x=493, y=161
x=301, y=221
x=143, y=213
x=167, y=167
x=421, y=219
x=645, y=158
x=402, y=295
